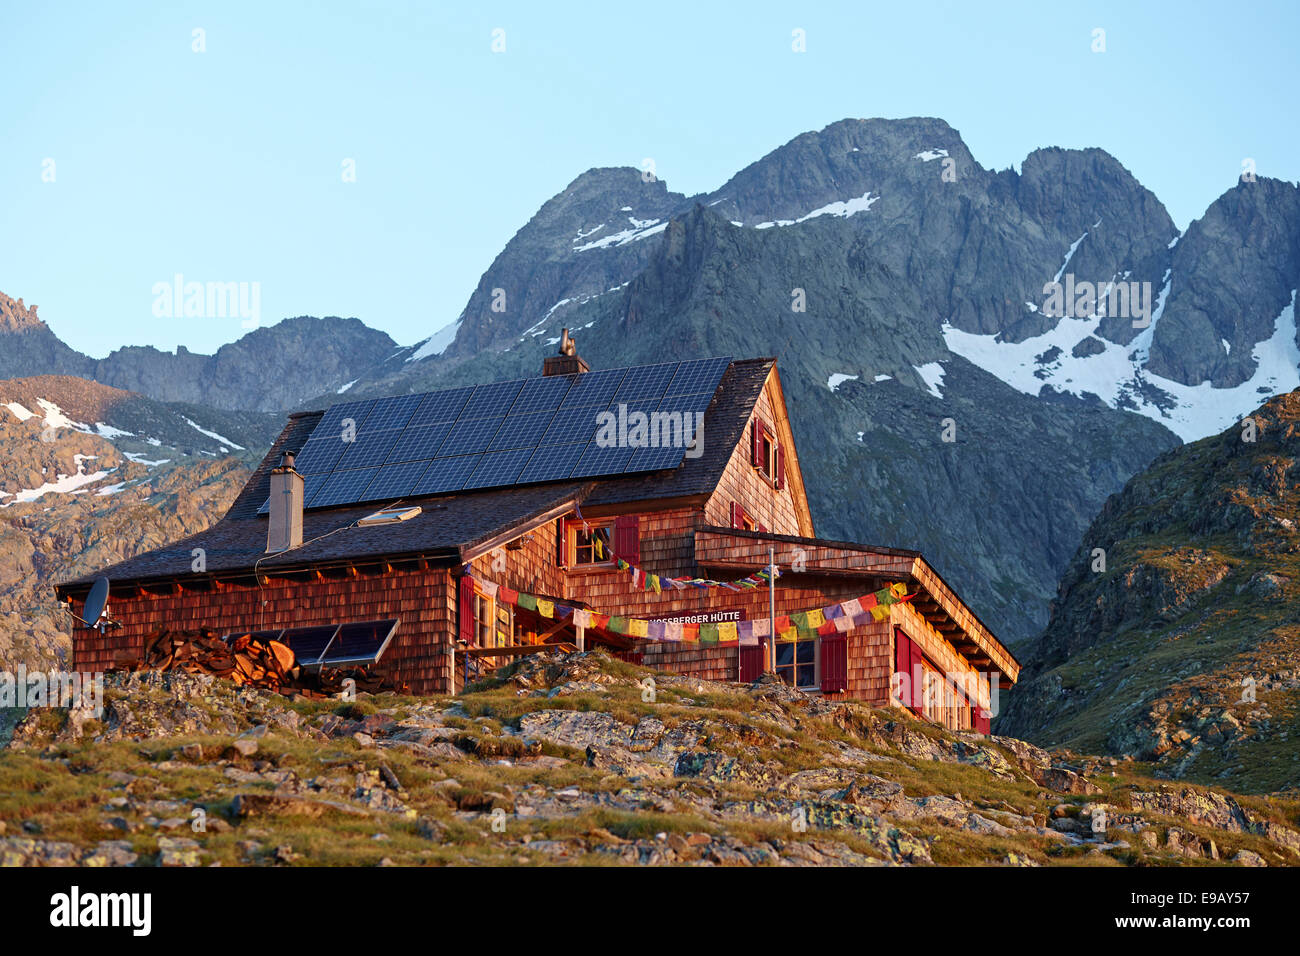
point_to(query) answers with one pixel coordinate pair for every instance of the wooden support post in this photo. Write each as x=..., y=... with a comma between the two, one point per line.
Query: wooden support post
x=582, y=637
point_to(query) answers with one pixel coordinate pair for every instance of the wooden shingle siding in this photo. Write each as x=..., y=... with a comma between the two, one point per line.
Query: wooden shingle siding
x=419, y=655
x=744, y=485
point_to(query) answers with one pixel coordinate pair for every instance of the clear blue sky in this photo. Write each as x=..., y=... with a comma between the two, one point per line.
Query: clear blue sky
x=226, y=165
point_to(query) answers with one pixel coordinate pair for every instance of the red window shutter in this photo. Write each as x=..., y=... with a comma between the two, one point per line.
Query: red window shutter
x=627, y=538
x=780, y=467
x=756, y=446
x=466, y=609
x=835, y=663
x=907, y=660
x=561, y=544
x=751, y=663
x=979, y=717
x=918, y=680
x=737, y=515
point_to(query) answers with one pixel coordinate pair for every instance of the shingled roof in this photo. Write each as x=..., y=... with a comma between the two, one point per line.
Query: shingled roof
x=449, y=525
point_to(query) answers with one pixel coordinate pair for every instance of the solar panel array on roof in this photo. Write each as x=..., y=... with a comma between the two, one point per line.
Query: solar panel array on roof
x=502, y=433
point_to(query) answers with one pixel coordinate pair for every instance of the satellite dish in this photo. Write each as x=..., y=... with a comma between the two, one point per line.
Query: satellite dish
x=96, y=603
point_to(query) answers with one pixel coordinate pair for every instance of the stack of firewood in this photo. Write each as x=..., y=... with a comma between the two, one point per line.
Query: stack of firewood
x=248, y=661
x=245, y=660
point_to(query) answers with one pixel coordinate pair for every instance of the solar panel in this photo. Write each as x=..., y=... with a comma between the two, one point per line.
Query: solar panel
x=552, y=462
x=491, y=400
x=572, y=424
x=312, y=484
x=468, y=437
x=503, y=433
x=344, y=487
x=360, y=642
x=594, y=388
x=320, y=455
x=702, y=375
x=498, y=468
x=419, y=443
x=696, y=402
x=542, y=393
x=654, y=459
x=441, y=406
x=602, y=461
x=445, y=474
x=395, y=481
x=646, y=381
x=392, y=412
x=369, y=448
x=520, y=431
x=336, y=417
x=309, y=643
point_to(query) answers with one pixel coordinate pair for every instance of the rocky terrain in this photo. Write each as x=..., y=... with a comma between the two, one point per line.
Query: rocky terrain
x=1183, y=649
x=582, y=759
x=85, y=481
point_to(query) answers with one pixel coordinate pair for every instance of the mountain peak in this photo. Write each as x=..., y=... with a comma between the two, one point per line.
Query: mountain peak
x=17, y=317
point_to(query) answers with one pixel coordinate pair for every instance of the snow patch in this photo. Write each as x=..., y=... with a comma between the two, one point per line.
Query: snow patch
x=1068, y=256
x=1118, y=374
x=930, y=154
x=63, y=484
x=141, y=460
x=344, y=388
x=437, y=343
x=883, y=378
x=932, y=374
x=212, y=435
x=54, y=417
x=842, y=209
x=838, y=379
x=105, y=430
x=641, y=229
x=21, y=413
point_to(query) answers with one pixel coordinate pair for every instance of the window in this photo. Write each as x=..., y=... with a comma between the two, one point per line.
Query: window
x=796, y=662
x=766, y=454
x=584, y=551
x=768, y=466
x=741, y=519
x=494, y=624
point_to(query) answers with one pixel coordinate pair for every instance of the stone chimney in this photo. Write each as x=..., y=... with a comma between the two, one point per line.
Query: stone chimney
x=568, y=361
x=284, y=530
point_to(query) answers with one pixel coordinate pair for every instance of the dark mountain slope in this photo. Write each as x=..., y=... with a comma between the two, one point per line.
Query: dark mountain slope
x=1199, y=593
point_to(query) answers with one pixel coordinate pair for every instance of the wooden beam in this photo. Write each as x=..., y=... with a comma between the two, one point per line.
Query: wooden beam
x=516, y=650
